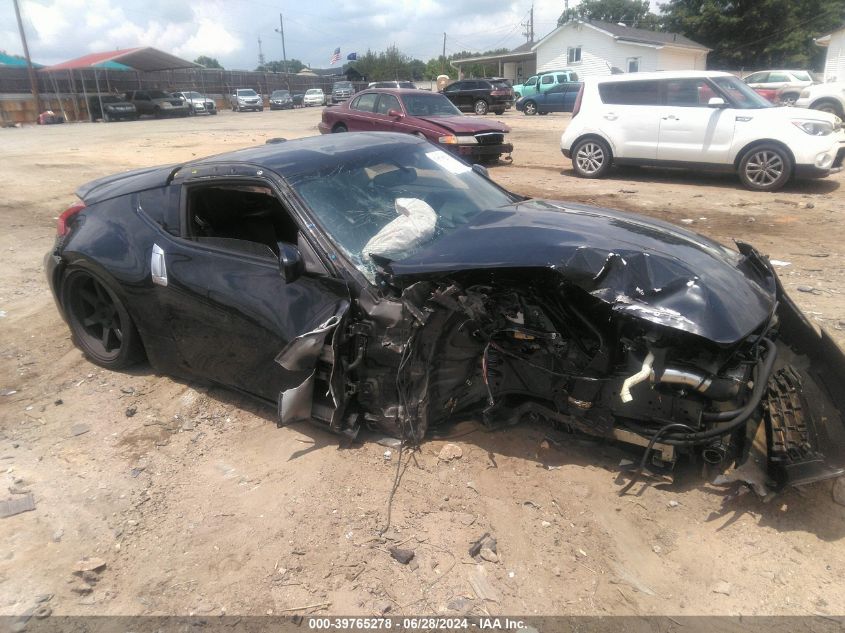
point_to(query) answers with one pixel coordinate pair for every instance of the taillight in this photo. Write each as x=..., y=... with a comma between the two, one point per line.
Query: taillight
x=64, y=218
x=499, y=93
x=577, y=107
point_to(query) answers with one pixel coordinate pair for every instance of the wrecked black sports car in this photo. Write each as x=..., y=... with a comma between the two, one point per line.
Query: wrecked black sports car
x=374, y=280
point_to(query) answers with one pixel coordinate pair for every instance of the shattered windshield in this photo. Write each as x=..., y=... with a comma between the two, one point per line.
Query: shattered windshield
x=393, y=200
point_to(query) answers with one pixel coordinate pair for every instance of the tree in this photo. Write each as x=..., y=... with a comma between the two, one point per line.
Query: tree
x=293, y=66
x=634, y=13
x=755, y=34
x=480, y=69
x=208, y=62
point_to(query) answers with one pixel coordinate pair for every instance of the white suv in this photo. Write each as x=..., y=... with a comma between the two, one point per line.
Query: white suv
x=829, y=97
x=698, y=120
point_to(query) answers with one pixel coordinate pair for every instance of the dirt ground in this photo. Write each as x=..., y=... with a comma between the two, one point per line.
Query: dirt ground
x=198, y=503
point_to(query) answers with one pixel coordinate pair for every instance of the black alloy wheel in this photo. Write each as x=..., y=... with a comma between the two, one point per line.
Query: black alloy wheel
x=99, y=322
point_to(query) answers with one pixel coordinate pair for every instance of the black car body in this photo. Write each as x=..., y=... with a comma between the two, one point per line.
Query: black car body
x=371, y=279
x=480, y=95
x=297, y=100
x=281, y=100
x=341, y=91
x=559, y=98
x=114, y=108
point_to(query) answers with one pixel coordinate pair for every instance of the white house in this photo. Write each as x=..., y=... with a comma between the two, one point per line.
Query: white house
x=594, y=48
x=834, y=63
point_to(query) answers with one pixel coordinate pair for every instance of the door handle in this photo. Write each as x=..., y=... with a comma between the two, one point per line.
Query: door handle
x=671, y=117
x=610, y=116
x=158, y=267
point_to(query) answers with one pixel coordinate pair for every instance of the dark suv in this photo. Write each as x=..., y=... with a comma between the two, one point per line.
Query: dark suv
x=480, y=95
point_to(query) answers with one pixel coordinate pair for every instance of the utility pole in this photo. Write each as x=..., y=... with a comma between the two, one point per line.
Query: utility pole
x=260, y=53
x=33, y=81
x=531, y=27
x=281, y=31
x=443, y=58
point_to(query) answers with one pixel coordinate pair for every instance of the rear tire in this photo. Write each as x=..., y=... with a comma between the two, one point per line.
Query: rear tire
x=591, y=158
x=765, y=168
x=529, y=108
x=99, y=322
x=480, y=107
x=339, y=129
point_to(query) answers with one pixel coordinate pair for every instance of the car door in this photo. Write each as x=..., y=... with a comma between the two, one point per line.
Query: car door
x=453, y=93
x=546, y=82
x=229, y=309
x=143, y=102
x=382, y=121
x=552, y=99
x=529, y=87
x=777, y=80
x=690, y=129
x=570, y=95
x=629, y=117
x=361, y=112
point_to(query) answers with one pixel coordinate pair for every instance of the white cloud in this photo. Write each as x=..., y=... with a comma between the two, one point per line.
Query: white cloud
x=228, y=29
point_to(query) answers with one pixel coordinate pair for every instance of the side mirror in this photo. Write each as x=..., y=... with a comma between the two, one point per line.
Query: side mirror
x=395, y=114
x=481, y=170
x=716, y=102
x=291, y=265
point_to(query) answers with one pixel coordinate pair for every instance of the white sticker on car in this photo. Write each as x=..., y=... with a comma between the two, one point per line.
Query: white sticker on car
x=447, y=162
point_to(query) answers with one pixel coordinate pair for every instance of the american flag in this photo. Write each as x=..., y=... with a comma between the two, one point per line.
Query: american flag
x=335, y=56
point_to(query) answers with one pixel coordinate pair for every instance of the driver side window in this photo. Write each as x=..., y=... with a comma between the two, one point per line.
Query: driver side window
x=241, y=217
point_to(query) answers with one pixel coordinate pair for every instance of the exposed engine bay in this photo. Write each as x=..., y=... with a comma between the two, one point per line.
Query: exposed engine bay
x=504, y=345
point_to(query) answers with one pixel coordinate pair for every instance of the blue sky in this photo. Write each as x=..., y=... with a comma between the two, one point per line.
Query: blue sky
x=58, y=30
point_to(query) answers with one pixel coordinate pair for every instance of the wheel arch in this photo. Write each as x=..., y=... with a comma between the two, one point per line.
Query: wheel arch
x=758, y=142
x=594, y=136
x=831, y=100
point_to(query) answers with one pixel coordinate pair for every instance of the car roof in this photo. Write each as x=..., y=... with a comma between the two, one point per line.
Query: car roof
x=660, y=74
x=397, y=91
x=310, y=153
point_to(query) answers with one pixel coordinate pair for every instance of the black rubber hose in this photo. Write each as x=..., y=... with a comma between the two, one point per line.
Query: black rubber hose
x=761, y=381
x=641, y=466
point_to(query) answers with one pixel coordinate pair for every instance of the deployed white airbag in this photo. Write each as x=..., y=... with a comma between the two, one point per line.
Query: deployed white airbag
x=415, y=225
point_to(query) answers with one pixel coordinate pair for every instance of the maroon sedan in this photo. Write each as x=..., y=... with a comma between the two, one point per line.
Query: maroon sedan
x=426, y=114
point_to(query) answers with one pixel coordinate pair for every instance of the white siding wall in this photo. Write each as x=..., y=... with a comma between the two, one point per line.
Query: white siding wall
x=600, y=52
x=674, y=59
x=834, y=65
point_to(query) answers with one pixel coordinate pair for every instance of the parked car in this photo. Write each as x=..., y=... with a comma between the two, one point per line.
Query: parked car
x=480, y=95
x=314, y=97
x=115, y=108
x=393, y=84
x=246, y=99
x=341, y=91
x=425, y=114
x=297, y=100
x=156, y=103
x=197, y=103
x=374, y=280
x=543, y=81
x=769, y=94
x=787, y=83
x=558, y=98
x=281, y=100
x=829, y=97
x=702, y=120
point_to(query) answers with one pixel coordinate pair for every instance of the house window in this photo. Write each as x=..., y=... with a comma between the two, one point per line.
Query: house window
x=573, y=55
x=633, y=64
